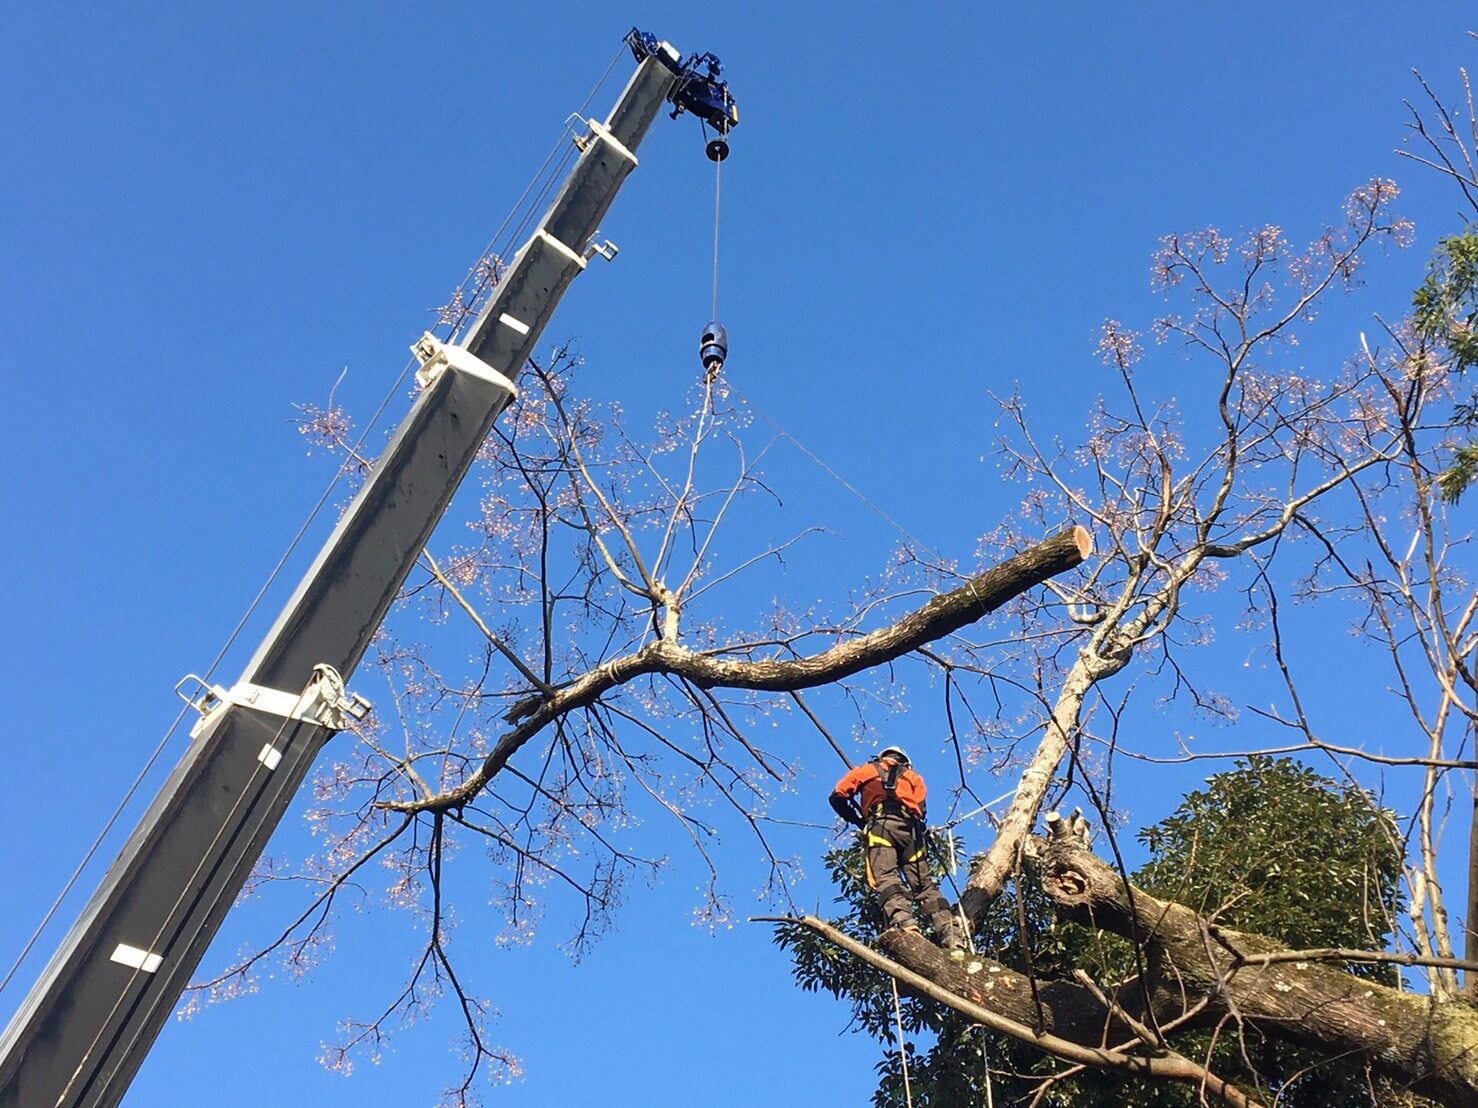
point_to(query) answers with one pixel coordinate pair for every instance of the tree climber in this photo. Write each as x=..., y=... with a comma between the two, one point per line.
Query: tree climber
x=885, y=798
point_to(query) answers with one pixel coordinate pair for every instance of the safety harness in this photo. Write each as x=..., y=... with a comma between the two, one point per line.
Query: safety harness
x=890, y=805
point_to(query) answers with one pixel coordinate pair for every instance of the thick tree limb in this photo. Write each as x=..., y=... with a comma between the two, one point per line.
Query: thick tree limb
x=942, y=615
x=989, y=874
x=1197, y=974
x=1000, y=1000
x=1428, y=1045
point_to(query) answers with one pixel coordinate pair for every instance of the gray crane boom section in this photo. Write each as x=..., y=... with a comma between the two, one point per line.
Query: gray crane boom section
x=81, y=1033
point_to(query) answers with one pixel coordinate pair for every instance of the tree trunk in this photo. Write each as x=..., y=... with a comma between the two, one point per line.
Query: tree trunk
x=1225, y=976
x=1470, y=920
x=1430, y=1046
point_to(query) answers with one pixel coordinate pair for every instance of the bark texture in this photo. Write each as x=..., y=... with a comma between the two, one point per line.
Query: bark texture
x=1429, y=1045
x=1003, y=1001
x=988, y=877
x=1197, y=975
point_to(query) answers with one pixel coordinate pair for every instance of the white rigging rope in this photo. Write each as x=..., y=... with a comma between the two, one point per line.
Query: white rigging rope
x=902, y=1053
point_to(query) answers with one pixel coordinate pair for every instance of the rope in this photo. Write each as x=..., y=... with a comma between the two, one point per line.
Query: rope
x=209, y=673
x=990, y=1092
x=902, y=1053
x=781, y=432
x=91, y=850
x=616, y=57
x=498, y=246
x=963, y=923
x=986, y=807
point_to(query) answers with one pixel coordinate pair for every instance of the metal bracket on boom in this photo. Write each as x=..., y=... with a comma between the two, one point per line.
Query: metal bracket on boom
x=577, y=124
x=607, y=250
x=323, y=701
x=435, y=356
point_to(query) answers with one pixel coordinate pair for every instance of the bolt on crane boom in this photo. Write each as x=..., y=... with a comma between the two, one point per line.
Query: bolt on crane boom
x=82, y=1032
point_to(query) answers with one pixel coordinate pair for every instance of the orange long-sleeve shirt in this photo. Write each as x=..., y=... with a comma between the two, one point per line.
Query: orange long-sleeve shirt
x=866, y=780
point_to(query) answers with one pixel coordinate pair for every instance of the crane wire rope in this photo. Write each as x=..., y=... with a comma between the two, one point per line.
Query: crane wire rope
x=718, y=170
x=519, y=207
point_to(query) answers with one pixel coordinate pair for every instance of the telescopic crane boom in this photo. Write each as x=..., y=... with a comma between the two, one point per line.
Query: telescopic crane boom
x=82, y=1032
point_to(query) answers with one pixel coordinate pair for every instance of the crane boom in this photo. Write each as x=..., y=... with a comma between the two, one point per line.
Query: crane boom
x=80, y=1035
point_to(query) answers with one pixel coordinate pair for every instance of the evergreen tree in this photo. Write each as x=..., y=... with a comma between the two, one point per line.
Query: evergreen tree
x=1445, y=317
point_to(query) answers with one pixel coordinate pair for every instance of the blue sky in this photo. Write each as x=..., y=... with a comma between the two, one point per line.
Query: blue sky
x=213, y=210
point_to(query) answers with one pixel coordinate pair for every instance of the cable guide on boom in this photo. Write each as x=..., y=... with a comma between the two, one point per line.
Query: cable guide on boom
x=323, y=701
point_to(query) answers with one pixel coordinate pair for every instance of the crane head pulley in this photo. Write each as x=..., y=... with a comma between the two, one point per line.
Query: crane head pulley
x=700, y=87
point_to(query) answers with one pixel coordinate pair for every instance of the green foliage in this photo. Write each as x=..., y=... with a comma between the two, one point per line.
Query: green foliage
x=1269, y=846
x=1445, y=316
x=1459, y=474
x=1445, y=307
x=1275, y=848
x=818, y=966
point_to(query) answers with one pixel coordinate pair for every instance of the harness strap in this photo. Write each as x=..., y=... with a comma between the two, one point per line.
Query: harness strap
x=892, y=806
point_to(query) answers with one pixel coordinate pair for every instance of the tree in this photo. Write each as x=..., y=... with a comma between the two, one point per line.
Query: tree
x=1445, y=309
x=609, y=682
x=1269, y=846
x=1288, y=452
x=1446, y=313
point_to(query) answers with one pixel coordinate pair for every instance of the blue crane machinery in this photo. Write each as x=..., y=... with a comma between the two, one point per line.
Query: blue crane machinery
x=82, y=1032
x=700, y=90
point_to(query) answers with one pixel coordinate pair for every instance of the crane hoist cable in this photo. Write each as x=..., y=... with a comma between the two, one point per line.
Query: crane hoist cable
x=701, y=90
x=718, y=170
x=713, y=346
x=717, y=150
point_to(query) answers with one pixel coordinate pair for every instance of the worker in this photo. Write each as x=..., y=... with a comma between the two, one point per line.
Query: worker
x=885, y=798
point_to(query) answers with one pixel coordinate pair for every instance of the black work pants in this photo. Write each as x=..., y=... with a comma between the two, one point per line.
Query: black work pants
x=898, y=872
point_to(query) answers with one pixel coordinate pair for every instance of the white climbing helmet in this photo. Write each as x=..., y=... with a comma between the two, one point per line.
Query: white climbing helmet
x=896, y=752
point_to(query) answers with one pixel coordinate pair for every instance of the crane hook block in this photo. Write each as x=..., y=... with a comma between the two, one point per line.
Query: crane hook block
x=713, y=349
